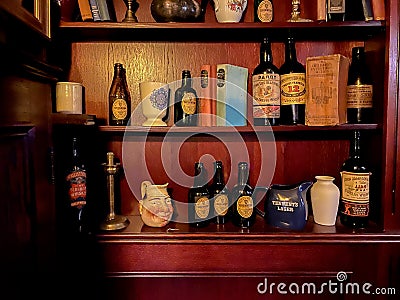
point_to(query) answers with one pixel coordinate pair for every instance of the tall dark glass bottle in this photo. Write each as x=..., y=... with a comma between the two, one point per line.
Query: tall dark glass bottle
x=293, y=87
x=243, y=212
x=199, y=199
x=119, y=98
x=186, y=102
x=263, y=11
x=359, y=89
x=220, y=195
x=76, y=185
x=266, y=88
x=355, y=188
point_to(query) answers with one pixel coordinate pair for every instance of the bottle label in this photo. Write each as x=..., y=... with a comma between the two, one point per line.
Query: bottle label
x=77, y=188
x=244, y=206
x=221, y=205
x=359, y=96
x=266, y=96
x=119, y=109
x=265, y=11
x=293, y=88
x=189, y=103
x=355, y=194
x=202, y=207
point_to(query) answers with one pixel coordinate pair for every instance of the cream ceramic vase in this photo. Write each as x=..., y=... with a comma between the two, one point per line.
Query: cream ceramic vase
x=325, y=200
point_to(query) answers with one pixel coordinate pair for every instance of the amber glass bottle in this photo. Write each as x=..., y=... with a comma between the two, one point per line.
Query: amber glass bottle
x=199, y=199
x=119, y=98
x=293, y=87
x=243, y=211
x=266, y=88
x=359, y=89
x=186, y=104
x=355, y=188
x=220, y=195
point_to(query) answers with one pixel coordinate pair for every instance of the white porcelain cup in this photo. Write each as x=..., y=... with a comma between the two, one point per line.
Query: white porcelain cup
x=69, y=97
x=155, y=99
x=229, y=11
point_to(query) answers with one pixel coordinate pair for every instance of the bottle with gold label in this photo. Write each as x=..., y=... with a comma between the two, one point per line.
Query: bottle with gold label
x=359, y=89
x=243, y=211
x=266, y=88
x=119, y=98
x=220, y=195
x=293, y=87
x=199, y=198
x=263, y=11
x=186, y=104
x=355, y=189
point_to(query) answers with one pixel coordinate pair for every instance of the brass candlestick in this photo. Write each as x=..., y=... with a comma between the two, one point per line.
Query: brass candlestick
x=131, y=8
x=295, y=15
x=113, y=221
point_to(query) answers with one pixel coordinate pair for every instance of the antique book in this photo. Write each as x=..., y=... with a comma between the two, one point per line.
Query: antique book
x=321, y=10
x=95, y=10
x=326, y=83
x=103, y=10
x=378, y=9
x=84, y=8
x=208, y=95
x=231, y=95
x=367, y=9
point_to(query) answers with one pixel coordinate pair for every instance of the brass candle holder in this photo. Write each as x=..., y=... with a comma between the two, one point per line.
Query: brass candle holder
x=295, y=15
x=112, y=221
x=131, y=8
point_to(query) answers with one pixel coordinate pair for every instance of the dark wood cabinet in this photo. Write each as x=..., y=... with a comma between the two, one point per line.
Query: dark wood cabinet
x=218, y=261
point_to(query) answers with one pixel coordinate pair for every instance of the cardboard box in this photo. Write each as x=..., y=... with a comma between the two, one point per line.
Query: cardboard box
x=326, y=84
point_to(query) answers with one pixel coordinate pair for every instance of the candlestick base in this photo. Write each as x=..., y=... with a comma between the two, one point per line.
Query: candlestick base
x=116, y=223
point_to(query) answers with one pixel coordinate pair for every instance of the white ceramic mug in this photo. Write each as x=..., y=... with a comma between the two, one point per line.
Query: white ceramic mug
x=69, y=97
x=229, y=11
x=155, y=99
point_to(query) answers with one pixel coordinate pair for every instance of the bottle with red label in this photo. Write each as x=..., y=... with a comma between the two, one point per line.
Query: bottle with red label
x=243, y=210
x=354, y=205
x=186, y=104
x=293, y=87
x=76, y=184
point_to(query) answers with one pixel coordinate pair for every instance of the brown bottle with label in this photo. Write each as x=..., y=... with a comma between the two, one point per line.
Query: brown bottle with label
x=243, y=210
x=355, y=188
x=220, y=195
x=186, y=104
x=293, y=87
x=266, y=88
x=119, y=98
x=359, y=89
x=199, y=199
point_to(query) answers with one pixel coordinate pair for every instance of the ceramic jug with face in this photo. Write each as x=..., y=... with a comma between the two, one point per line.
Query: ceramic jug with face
x=286, y=205
x=155, y=207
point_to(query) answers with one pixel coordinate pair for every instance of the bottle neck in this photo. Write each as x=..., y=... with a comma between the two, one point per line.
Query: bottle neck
x=355, y=145
x=265, y=52
x=199, y=173
x=243, y=174
x=290, y=51
x=219, y=175
x=186, y=79
x=118, y=71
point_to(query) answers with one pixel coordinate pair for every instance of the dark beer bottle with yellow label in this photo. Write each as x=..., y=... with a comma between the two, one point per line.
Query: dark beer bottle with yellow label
x=243, y=211
x=220, y=195
x=293, y=87
x=199, y=198
x=186, y=102
x=119, y=98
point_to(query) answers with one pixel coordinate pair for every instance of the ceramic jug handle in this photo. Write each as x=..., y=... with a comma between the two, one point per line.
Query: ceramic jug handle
x=143, y=187
x=244, y=4
x=256, y=190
